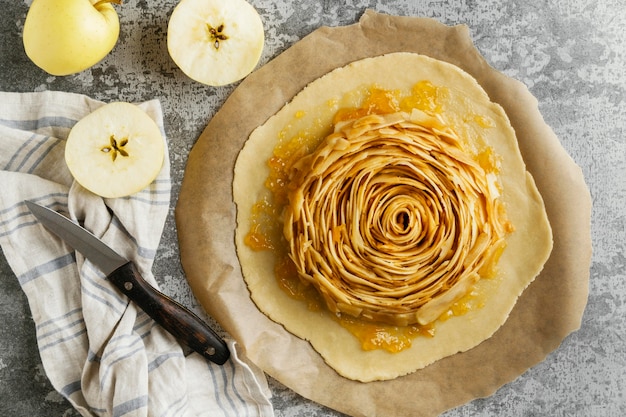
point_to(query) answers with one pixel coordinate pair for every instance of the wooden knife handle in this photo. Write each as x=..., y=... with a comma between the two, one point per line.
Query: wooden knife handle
x=172, y=316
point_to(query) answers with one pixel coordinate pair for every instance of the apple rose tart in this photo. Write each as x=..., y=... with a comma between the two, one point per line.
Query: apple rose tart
x=392, y=220
x=385, y=215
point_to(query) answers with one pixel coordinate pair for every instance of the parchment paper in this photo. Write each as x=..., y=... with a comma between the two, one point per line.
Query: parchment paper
x=547, y=311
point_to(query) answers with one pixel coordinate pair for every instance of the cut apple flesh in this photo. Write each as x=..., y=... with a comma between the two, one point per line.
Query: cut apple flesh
x=115, y=151
x=215, y=42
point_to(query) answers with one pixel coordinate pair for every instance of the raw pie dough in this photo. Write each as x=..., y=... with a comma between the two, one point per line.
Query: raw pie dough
x=527, y=247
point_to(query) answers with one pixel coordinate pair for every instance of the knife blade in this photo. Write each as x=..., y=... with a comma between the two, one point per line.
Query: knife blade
x=171, y=315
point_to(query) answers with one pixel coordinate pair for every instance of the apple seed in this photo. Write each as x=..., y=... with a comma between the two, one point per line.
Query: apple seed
x=216, y=34
x=114, y=148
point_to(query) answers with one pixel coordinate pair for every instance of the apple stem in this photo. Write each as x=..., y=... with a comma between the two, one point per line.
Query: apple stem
x=101, y=2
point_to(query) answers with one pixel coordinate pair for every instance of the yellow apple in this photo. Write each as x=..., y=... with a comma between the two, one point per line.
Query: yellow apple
x=215, y=42
x=115, y=151
x=64, y=37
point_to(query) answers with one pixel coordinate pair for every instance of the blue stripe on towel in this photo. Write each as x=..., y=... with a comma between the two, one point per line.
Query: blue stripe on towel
x=26, y=143
x=36, y=145
x=222, y=396
x=62, y=340
x=92, y=276
x=231, y=401
x=214, y=383
x=60, y=328
x=18, y=216
x=54, y=320
x=50, y=146
x=176, y=407
x=231, y=365
x=148, y=253
x=141, y=321
x=118, y=353
x=46, y=268
x=121, y=343
x=63, y=323
x=99, y=299
x=71, y=388
x=33, y=151
x=161, y=359
x=130, y=405
x=42, y=122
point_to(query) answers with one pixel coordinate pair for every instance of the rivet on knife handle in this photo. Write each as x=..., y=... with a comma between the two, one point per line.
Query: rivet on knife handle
x=172, y=316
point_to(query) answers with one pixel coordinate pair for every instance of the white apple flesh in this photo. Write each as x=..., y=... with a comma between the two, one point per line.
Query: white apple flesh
x=215, y=42
x=115, y=151
x=64, y=37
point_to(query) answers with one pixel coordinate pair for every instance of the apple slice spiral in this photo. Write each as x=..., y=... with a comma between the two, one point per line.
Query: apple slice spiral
x=392, y=220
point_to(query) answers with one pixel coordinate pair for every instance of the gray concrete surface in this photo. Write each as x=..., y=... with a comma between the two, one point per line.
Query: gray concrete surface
x=570, y=53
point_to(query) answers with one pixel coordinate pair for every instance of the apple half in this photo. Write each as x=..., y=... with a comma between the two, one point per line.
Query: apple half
x=115, y=151
x=215, y=42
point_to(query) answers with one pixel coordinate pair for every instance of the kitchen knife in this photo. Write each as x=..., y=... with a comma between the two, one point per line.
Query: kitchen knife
x=172, y=316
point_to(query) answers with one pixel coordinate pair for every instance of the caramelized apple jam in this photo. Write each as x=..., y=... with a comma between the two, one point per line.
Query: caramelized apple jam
x=293, y=144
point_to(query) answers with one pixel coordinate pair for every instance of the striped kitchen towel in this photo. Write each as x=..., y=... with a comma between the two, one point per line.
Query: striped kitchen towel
x=102, y=353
